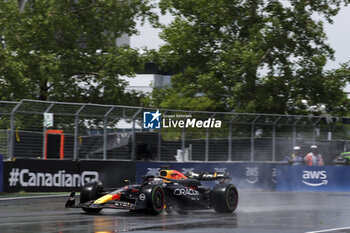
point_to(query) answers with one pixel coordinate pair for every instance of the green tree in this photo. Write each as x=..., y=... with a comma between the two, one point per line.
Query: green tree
x=251, y=56
x=66, y=50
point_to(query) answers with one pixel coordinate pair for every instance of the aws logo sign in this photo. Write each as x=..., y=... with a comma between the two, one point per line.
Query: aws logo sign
x=252, y=174
x=315, y=178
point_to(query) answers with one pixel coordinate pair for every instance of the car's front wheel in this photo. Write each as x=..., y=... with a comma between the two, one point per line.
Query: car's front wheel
x=154, y=197
x=91, y=191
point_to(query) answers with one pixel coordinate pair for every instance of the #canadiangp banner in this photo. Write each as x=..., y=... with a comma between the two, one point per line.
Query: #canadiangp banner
x=64, y=175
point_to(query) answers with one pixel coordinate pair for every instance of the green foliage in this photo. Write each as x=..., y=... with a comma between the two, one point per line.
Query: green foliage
x=66, y=50
x=252, y=56
x=169, y=98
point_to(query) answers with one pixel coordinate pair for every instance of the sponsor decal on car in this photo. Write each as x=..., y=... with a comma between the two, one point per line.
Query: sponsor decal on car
x=142, y=197
x=314, y=178
x=123, y=204
x=185, y=192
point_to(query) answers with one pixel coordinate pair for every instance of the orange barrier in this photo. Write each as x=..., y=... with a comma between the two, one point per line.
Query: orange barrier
x=59, y=132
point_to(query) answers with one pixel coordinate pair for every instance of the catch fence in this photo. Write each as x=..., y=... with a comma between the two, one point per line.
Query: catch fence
x=45, y=129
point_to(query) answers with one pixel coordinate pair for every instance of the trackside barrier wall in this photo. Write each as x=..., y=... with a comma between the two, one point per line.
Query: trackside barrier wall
x=266, y=176
x=1, y=174
x=62, y=175
x=305, y=178
x=65, y=176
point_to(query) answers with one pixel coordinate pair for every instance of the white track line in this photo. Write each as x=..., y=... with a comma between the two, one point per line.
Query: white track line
x=32, y=197
x=330, y=230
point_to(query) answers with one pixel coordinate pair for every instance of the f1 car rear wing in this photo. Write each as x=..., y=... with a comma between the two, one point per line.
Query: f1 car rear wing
x=209, y=176
x=200, y=176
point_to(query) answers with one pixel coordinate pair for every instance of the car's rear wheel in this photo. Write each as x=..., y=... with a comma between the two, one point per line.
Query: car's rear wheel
x=91, y=191
x=155, y=199
x=224, y=198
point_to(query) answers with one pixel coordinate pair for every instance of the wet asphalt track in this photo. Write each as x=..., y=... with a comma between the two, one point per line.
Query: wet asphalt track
x=262, y=212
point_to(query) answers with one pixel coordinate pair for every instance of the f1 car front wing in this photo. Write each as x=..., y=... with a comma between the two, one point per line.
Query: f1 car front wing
x=109, y=205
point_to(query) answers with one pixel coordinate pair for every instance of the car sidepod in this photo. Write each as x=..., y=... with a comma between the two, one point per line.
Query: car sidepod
x=185, y=197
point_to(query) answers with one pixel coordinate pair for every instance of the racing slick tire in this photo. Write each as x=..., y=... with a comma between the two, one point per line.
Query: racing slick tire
x=155, y=199
x=91, y=191
x=224, y=198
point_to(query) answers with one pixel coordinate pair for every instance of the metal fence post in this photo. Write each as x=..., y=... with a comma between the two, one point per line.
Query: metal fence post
x=133, y=135
x=44, y=131
x=252, y=139
x=252, y=134
x=159, y=150
x=105, y=122
x=76, y=133
x=207, y=141
x=274, y=139
x=294, y=135
x=12, y=133
x=207, y=145
x=12, y=128
x=295, y=132
x=183, y=139
x=8, y=135
x=230, y=142
x=183, y=142
x=133, y=138
x=159, y=145
x=314, y=124
x=230, y=138
x=273, y=143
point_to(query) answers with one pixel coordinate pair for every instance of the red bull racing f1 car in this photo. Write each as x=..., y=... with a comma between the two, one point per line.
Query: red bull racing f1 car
x=171, y=190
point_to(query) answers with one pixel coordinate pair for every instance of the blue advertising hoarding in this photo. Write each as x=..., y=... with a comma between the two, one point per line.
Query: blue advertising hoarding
x=244, y=175
x=265, y=176
x=312, y=178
